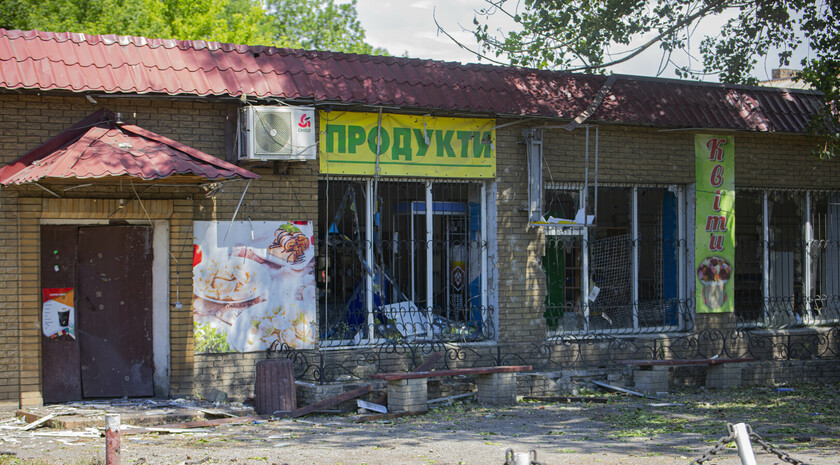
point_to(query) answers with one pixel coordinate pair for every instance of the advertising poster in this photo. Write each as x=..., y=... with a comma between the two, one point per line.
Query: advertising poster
x=57, y=315
x=408, y=145
x=714, y=239
x=253, y=284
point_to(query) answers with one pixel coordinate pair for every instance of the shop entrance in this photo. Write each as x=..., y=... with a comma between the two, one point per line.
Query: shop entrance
x=109, y=269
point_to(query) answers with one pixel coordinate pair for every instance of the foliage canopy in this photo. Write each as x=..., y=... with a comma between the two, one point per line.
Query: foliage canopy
x=311, y=24
x=583, y=35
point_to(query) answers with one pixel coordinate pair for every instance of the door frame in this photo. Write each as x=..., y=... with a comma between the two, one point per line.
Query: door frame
x=160, y=293
x=180, y=214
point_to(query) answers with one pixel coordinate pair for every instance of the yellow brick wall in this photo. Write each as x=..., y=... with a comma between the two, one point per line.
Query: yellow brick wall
x=627, y=155
x=29, y=120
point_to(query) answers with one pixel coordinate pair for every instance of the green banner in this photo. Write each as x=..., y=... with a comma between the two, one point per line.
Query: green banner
x=714, y=237
x=408, y=145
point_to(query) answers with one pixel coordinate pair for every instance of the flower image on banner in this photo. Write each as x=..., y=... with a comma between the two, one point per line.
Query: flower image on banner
x=714, y=250
x=253, y=285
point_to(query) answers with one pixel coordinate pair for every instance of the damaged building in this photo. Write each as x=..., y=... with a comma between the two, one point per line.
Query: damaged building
x=175, y=211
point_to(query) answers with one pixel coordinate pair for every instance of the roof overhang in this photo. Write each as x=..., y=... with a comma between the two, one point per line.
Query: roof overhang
x=100, y=147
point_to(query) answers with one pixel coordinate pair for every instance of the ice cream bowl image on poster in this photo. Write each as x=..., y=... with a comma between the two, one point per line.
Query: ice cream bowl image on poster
x=713, y=273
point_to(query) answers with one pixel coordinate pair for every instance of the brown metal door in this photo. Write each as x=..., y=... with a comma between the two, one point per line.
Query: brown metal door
x=115, y=311
x=60, y=367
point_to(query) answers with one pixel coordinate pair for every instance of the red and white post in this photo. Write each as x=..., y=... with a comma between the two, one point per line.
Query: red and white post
x=112, y=439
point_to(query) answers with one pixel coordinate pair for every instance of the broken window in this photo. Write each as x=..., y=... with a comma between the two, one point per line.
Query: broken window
x=787, y=264
x=658, y=258
x=563, y=264
x=749, y=246
x=620, y=273
x=824, y=254
x=401, y=261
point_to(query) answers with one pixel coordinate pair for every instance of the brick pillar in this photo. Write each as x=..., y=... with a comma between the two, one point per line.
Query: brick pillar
x=723, y=376
x=408, y=395
x=496, y=389
x=651, y=381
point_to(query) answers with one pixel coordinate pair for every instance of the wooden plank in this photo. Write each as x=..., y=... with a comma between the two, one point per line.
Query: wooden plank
x=566, y=399
x=326, y=403
x=450, y=398
x=386, y=416
x=617, y=389
x=452, y=372
x=681, y=362
x=28, y=417
x=38, y=422
x=371, y=406
x=128, y=430
x=429, y=363
x=216, y=422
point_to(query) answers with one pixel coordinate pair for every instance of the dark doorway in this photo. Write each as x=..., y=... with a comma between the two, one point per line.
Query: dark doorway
x=110, y=268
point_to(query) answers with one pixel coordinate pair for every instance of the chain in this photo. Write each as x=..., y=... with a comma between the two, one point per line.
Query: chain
x=719, y=446
x=769, y=448
x=724, y=441
x=509, y=458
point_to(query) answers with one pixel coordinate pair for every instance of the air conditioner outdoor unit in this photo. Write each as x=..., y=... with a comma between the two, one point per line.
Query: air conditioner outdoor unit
x=277, y=133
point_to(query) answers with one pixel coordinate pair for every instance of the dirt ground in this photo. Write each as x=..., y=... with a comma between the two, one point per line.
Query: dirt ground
x=803, y=421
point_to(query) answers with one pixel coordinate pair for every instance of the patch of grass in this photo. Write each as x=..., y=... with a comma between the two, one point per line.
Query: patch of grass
x=642, y=423
x=12, y=460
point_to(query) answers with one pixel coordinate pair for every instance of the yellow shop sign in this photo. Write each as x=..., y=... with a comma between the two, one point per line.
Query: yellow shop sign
x=419, y=146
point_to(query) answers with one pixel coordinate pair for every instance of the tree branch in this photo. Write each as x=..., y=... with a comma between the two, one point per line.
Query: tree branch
x=688, y=20
x=458, y=43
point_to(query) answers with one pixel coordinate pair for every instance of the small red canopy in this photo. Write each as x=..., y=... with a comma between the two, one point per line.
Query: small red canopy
x=100, y=146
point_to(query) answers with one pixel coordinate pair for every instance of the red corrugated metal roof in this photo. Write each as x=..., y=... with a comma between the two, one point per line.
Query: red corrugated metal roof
x=98, y=146
x=108, y=63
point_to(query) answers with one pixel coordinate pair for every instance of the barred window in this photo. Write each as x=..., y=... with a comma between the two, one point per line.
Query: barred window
x=787, y=270
x=402, y=260
x=622, y=273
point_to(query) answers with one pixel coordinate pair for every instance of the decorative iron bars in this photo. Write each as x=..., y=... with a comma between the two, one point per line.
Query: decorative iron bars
x=787, y=271
x=571, y=352
x=633, y=285
x=403, y=261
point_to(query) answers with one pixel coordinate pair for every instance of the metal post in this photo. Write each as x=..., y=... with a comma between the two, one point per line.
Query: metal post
x=484, y=245
x=430, y=292
x=765, y=255
x=808, y=260
x=682, y=255
x=370, y=205
x=742, y=440
x=634, y=254
x=112, y=439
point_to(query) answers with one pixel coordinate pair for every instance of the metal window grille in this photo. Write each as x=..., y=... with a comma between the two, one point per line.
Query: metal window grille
x=623, y=274
x=787, y=270
x=402, y=260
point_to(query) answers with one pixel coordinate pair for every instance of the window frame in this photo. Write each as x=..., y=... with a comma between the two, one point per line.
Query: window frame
x=583, y=233
x=768, y=316
x=488, y=311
